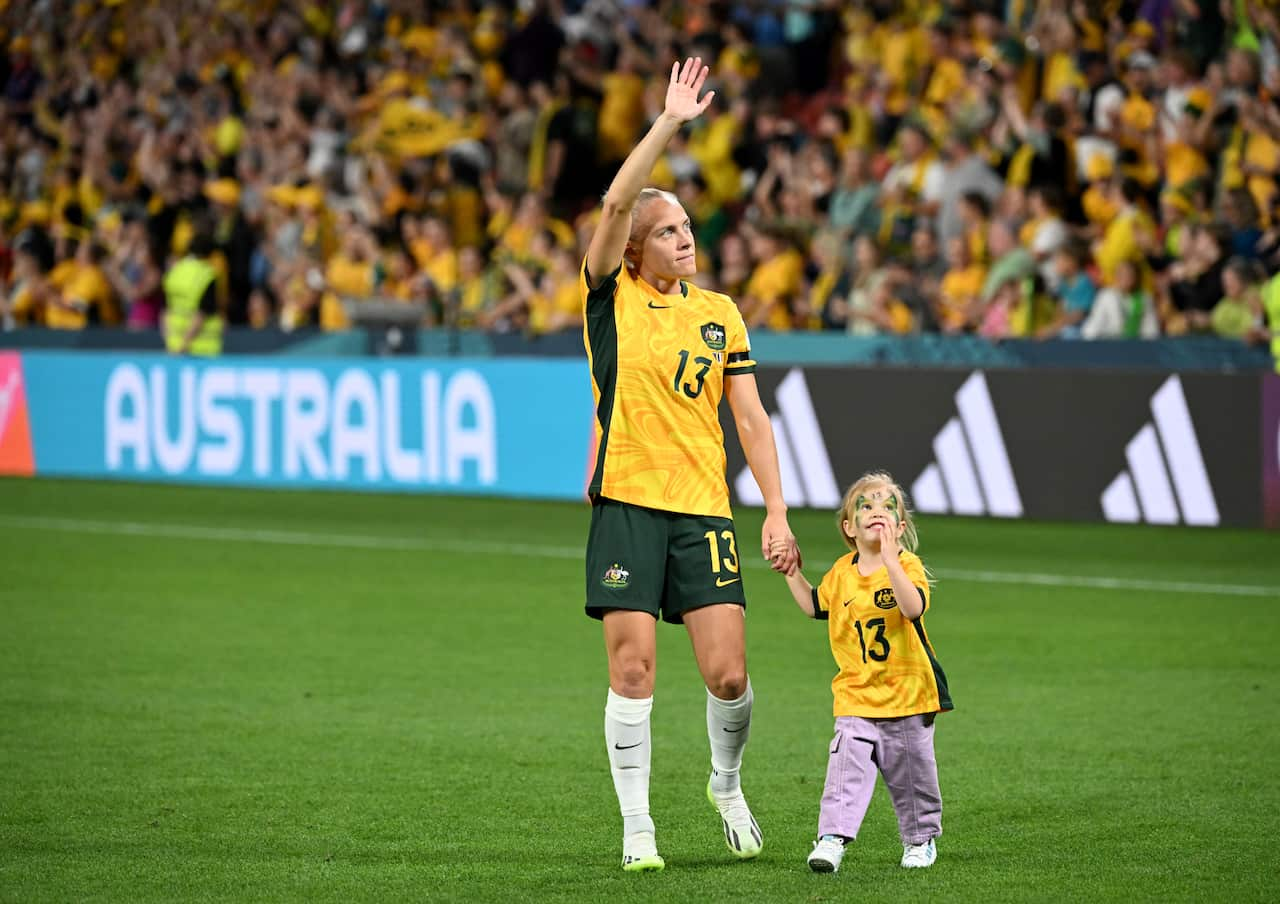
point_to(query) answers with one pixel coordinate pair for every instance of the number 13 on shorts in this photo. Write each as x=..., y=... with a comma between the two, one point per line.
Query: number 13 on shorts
x=724, y=556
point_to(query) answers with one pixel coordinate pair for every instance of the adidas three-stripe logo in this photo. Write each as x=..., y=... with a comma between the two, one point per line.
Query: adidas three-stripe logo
x=731, y=836
x=807, y=478
x=1166, y=473
x=970, y=473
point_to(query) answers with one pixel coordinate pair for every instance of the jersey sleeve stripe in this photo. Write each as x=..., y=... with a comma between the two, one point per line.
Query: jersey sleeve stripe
x=730, y=370
x=602, y=349
x=939, y=676
x=603, y=293
x=818, y=613
x=735, y=357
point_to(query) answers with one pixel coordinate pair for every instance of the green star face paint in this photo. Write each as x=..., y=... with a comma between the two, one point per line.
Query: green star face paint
x=873, y=501
x=886, y=500
x=891, y=506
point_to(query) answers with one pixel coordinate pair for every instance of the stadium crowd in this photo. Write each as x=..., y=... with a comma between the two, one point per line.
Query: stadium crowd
x=1093, y=169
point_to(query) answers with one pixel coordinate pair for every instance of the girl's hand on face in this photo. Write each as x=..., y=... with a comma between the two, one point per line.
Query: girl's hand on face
x=888, y=534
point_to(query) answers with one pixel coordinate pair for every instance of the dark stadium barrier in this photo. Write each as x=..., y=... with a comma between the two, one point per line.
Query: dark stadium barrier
x=1157, y=448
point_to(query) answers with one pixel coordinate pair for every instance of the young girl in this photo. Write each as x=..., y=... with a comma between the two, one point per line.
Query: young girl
x=890, y=685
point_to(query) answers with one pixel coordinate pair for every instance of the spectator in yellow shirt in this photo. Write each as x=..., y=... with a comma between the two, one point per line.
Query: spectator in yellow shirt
x=475, y=292
x=306, y=302
x=713, y=143
x=1128, y=235
x=946, y=76
x=429, y=243
x=1137, y=118
x=1098, y=205
x=404, y=282
x=830, y=280
x=975, y=215
x=556, y=306
x=86, y=295
x=531, y=218
x=1062, y=79
x=775, y=282
x=622, y=106
x=350, y=273
x=900, y=54
x=1260, y=157
x=28, y=286
x=960, y=288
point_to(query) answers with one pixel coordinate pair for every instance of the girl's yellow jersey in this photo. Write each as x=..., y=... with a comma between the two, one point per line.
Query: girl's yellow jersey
x=887, y=665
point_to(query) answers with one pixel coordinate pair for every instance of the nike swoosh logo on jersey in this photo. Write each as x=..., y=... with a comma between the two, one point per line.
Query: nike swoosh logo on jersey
x=721, y=582
x=659, y=307
x=738, y=729
x=617, y=746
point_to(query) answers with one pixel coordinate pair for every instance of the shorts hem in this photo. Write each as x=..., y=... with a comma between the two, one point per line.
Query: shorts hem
x=598, y=612
x=677, y=618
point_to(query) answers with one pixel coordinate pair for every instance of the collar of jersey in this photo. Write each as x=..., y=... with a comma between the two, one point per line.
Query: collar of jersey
x=865, y=576
x=856, y=554
x=684, y=289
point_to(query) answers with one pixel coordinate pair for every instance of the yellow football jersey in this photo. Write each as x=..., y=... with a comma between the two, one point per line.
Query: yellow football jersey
x=887, y=666
x=658, y=364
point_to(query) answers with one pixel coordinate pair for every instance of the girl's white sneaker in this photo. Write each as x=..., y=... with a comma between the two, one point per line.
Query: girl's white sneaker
x=828, y=851
x=918, y=856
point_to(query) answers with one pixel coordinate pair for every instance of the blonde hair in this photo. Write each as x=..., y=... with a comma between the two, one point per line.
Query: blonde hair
x=910, y=539
x=635, y=240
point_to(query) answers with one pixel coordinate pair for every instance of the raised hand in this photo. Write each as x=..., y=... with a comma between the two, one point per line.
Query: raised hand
x=682, y=92
x=888, y=539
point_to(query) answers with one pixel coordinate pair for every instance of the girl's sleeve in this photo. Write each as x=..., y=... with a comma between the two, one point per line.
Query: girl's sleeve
x=915, y=572
x=823, y=594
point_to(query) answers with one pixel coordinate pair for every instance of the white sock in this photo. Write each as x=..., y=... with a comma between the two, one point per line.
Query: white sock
x=728, y=726
x=626, y=734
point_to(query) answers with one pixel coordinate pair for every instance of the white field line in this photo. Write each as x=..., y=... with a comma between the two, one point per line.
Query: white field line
x=540, y=551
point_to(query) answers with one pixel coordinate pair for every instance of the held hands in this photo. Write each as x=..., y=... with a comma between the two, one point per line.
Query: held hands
x=777, y=554
x=779, y=546
x=682, y=92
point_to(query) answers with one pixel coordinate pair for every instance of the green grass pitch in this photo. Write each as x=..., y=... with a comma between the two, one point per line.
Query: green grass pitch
x=211, y=694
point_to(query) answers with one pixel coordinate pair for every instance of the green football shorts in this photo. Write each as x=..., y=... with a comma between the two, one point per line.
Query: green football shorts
x=663, y=563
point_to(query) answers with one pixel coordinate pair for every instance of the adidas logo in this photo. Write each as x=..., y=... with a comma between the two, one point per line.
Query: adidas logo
x=807, y=478
x=1166, y=475
x=970, y=473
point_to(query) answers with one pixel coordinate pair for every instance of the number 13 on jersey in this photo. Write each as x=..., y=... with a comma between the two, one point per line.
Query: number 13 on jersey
x=694, y=389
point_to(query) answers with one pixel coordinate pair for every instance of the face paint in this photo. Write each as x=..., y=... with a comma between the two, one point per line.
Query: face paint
x=891, y=506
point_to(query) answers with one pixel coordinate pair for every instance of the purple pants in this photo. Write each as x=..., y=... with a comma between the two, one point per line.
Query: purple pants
x=902, y=750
